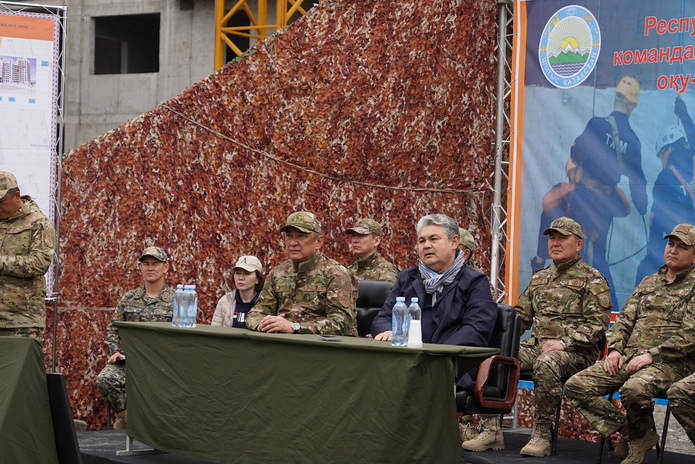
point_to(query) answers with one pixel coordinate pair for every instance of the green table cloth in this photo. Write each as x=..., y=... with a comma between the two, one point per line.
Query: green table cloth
x=235, y=396
x=26, y=430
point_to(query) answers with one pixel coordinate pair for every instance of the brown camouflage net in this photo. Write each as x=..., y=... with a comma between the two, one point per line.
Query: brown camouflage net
x=362, y=108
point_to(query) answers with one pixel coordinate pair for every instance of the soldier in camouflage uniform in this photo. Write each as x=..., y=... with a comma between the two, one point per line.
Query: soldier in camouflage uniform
x=681, y=397
x=467, y=427
x=152, y=302
x=309, y=293
x=651, y=345
x=569, y=306
x=27, y=243
x=365, y=237
x=467, y=245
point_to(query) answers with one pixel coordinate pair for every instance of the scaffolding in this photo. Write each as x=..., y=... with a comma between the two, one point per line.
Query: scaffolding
x=261, y=22
x=498, y=226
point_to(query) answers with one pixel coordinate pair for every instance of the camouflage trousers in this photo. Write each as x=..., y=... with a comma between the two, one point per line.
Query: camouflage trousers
x=637, y=391
x=111, y=385
x=549, y=371
x=29, y=332
x=681, y=396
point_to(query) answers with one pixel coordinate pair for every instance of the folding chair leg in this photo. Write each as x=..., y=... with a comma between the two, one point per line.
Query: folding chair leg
x=599, y=460
x=664, y=432
x=555, y=430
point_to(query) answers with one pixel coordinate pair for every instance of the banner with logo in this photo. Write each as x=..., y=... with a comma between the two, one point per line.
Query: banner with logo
x=29, y=89
x=602, y=114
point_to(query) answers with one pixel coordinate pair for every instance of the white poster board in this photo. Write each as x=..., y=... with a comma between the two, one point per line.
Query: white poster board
x=30, y=52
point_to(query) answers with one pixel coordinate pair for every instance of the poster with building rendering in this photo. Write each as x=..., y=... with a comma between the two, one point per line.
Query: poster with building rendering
x=28, y=102
x=602, y=109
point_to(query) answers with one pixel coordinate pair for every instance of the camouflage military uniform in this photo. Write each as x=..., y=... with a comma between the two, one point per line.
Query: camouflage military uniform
x=659, y=318
x=681, y=396
x=374, y=267
x=27, y=243
x=319, y=294
x=135, y=306
x=568, y=302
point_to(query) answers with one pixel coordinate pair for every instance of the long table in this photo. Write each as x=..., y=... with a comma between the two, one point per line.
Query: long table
x=26, y=430
x=236, y=396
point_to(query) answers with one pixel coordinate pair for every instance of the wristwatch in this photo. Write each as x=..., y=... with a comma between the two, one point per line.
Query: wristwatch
x=296, y=327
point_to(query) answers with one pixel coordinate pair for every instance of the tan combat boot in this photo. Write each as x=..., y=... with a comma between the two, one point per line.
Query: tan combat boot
x=621, y=449
x=490, y=438
x=539, y=444
x=122, y=421
x=638, y=448
x=467, y=429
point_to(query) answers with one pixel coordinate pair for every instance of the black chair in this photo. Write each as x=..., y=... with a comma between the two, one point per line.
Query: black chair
x=370, y=298
x=660, y=446
x=527, y=375
x=497, y=380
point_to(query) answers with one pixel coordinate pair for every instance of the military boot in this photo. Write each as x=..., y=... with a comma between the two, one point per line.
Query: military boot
x=122, y=420
x=539, y=444
x=467, y=429
x=621, y=449
x=638, y=448
x=489, y=438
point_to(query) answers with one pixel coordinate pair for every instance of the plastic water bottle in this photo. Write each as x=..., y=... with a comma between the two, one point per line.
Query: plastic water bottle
x=414, y=324
x=177, y=306
x=189, y=306
x=192, y=307
x=399, y=328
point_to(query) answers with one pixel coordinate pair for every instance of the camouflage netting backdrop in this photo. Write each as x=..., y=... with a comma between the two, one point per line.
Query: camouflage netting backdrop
x=373, y=108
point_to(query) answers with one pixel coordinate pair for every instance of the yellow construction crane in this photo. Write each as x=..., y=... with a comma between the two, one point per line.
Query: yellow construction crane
x=260, y=24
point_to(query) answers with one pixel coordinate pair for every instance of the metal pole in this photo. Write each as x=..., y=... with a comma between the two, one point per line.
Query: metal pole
x=497, y=209
x=62, y=14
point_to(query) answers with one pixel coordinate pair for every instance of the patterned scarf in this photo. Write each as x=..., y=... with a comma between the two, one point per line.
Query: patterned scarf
x=435, y=282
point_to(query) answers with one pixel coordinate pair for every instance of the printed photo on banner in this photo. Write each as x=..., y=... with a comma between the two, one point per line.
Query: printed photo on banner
x=602, y=114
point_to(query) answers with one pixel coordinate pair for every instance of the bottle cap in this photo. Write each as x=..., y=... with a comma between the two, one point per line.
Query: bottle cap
x=400, y=298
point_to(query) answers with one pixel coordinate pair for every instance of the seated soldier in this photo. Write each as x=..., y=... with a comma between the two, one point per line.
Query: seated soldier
x=308, y=293
x=569, y=306
x=152, y=302
x=365, y=237
x=467, y=245
x=651, y=345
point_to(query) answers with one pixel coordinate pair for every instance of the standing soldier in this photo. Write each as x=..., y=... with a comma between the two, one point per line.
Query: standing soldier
x=308, y=293
x=651, y=345
x=569, y=306
x=365, y=237
x=27, y=243
x=152, y=302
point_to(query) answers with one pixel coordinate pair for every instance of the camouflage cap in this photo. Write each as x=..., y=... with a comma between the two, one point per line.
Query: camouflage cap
x=364, y=226
x=156, y=253
x=7, y=181
x=466, y=239
x=685, y=232
x=249, y=264
x=304, y=221
x=565, y=226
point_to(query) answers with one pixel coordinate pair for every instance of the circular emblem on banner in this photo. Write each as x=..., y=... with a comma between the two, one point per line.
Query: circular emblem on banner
x=569, y=46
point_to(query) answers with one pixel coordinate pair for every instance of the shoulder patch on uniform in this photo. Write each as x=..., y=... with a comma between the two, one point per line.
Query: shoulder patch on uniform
x=597, y=289
x=602, y=294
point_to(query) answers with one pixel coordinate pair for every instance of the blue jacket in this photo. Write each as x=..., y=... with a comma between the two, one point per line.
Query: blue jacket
x=464, y=313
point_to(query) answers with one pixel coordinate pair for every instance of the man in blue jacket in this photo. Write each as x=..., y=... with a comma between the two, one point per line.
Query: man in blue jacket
x=457, y=307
